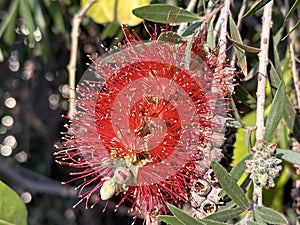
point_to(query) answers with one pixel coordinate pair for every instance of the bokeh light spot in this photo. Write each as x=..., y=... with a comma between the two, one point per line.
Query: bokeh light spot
x=5, y=150
x=21, y=157
x=26, y=197
x=7, y=121
x=10, y=141
x=10, y=102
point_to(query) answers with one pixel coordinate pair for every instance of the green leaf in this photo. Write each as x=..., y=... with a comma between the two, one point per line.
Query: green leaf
x=184, y=217
x=225, y=214
x=187, y=53
x=243, y=95
x=274, y=57
x=289, y=113
x=288, y=155
x=12, y=209
x=44, y=43
x=247, y=48
x=269, y=215
x=191, y=29
x=237, y=171
x=10, y=31
x=252, y=73
x=256, y=6
x=110, y=30
x=170, y=37
x=54, y=10
x=292, y=29
x=275, y=112
x=170, y=220
x=230, y=186
x=162, y=13
x=240, y=168
x=2, y=222
x=211, y=222
x=293, y=8
x=250, y=222
x=27, y=18
x=240, y=53
x=211, y=38
x=258, y=219
x=11, y=13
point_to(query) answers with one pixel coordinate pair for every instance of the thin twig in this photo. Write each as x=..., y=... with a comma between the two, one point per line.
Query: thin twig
x=238, y=25
x=295, y=74
x=190, y=8
x=291, y=39
x=241, y=13
x=261, y=86
x=208, y=18
x=34, y=182
x=73, y=55
x=222, y=38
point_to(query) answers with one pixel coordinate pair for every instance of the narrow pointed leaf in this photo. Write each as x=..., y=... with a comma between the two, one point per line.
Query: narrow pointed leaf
x=230, y=186
x=240, y=168
x=211, y=38
x=247, y=48
x=191, y=29
x=10, y=30
x=3, y=222
x=170, y=37
x=110, y=30
x=292, y=29
x=293, y=8
x=252, y=73
x=225, y=214
x=288, y=155
x=250, y=222
x=237, y=171
x=275, y=112
x=184, y=217
x=12, y=209
x=256, y=6
x=289, y=113
x=172, y=220
x=11, y=13
x=269, y=215
x=274, y=57
x=187, y=53
x=27, y=17
x=54, y=9
x=162, y=13
x=259, y=219
x=243, y=95
x=240, y=53
x=211, y=222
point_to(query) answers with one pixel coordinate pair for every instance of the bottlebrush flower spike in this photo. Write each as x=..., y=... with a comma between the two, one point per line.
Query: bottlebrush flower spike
x=149, y=121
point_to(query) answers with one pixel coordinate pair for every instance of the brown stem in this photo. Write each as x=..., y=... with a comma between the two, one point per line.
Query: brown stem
x=73, y=55
x=261, y=86
x=222, y=38
x=190, y=8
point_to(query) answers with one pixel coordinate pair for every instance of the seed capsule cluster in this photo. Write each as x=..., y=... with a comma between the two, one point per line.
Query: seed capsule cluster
x=205, y=195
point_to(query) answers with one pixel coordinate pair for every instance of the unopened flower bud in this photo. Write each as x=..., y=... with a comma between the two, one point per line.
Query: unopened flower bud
x=108, y=189
x=122, y=175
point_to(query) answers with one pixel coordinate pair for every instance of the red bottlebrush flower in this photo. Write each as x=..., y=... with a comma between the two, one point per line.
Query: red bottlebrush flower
x=145, y=125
